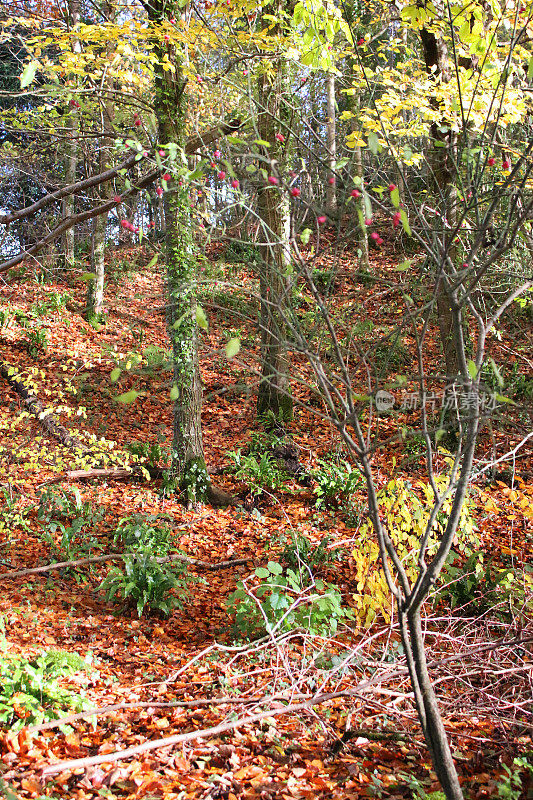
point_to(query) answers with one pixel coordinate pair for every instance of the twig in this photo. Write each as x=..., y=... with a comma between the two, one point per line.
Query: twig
x=118, y=556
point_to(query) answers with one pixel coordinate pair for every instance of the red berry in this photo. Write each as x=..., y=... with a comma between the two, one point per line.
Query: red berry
x=159, y=191
x=166, y=37
x=465, y=265
x=368, y=221
x=273, y=180
x=137, y=123
x=235, y=183
x=360, y=41
x=506, y=164
x=321, y=220
x=396, y=219
x=392, y=187
x=331, y=181
x=166, y=176
x=280, y=137
x=221, y=175
x=379, y=240
x=355, y=193
x=491, y=161
x=213, y=165
x=374, y=236
x=217, y=154
x=295, y=191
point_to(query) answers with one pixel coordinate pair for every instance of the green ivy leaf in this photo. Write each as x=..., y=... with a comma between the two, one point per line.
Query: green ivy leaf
x=28, y=74
x=261, y=572
x=275, y=568
x=233, y=347
x=115, y=374
x=305, y=235
x=405, y=222
x=153, y=261
x=174, y=393
x=373, y=143
x=127, y=397
x=472, y=369
x=201, y=319
x=395, y=197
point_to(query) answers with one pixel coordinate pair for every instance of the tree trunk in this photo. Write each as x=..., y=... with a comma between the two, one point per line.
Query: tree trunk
x=188, y=462
x=68, y=205
x=331, y=132
x=95, y=289
x=443, y=169
x=273, y=398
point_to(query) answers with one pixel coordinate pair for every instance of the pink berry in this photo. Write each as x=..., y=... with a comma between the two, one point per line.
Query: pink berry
x=235, y=183
x=295, y=191
x=199, y=79
x=392, y=187
x=166, y=176
x=355, y=193
x=491, y=161
x=368, y=221
x=374, y=236
x=117, y=199
x=137, y=123
x=166, y=37
x=331, y=181
x=273, y=180
x=125, y=223
x=280, y=137
x=465, y=265
x=159, y=191
x=221, y=175
x=379, y=240
x=506, y=164
x=245, y=72
x=321, y=220
x=213, y=165
x=396, y=219
x=217, y=154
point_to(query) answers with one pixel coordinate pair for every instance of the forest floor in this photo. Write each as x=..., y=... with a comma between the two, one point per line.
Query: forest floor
x=141, y=664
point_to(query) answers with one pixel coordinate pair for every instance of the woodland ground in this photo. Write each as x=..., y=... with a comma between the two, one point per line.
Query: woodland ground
x=289, y=756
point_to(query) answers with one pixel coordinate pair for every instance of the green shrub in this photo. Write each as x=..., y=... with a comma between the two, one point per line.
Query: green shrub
x=284, y=600
x=36, y=341
x=258, y=472
x=335, y=480
x=242, y=252
x=144, y=583
x=152, y=453
x=67, y=522
x=142, y=531
x=299, y=551
x=29, y=690
x=405, y=513
x=511, y=786
x=482, y=586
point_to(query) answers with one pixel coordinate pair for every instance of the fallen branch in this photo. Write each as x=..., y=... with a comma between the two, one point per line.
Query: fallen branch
x=194, y=562
x=47, y=420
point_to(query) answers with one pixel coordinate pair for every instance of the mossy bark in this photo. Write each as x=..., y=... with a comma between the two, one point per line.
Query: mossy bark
x=274, y=398
x=188, y=462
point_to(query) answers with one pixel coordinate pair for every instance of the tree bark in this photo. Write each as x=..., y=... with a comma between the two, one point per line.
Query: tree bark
x=331, y=134
x=71, y=154
x=95, y=288
x=274, y=398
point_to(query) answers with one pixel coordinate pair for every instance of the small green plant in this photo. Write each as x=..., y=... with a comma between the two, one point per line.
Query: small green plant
x=258, y=472
x=152, y=453
x=12, y=513
x=335, y=480
x=511, y=786
x=37, y=341
x=142, y=531
x=242, y=252
x=67, y=520
x=299, y=551
x=145, y=583
x=52, y=302
x=29, y=689
x=6, y=316
x=483, y=586
x=285, y=599
x=389, y=356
